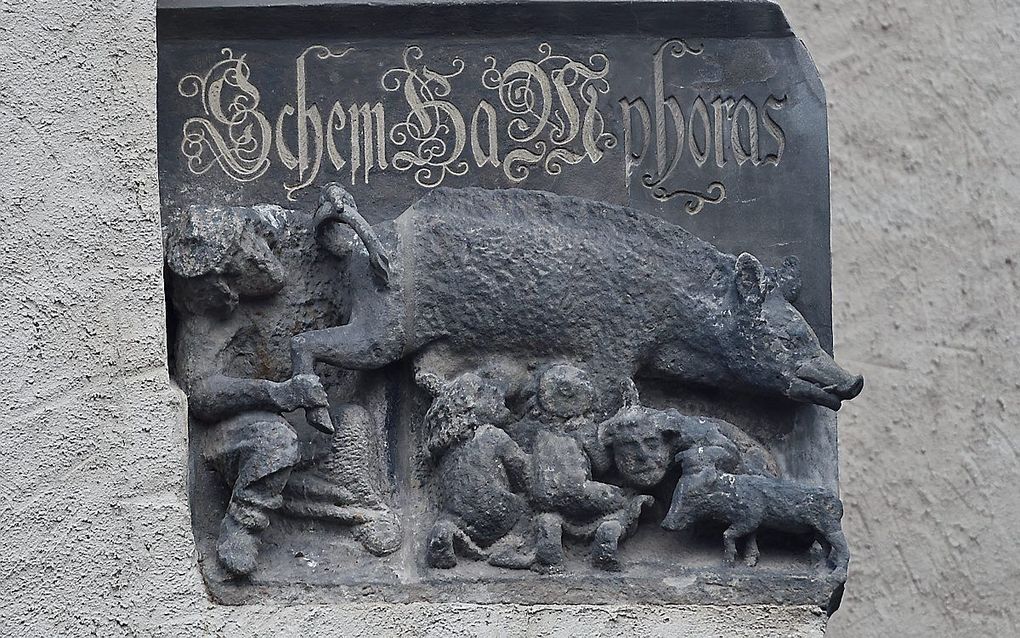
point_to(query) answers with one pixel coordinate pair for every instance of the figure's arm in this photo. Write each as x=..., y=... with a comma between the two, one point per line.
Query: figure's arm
x=213, y=395
x=218, y=396
x=597, y=450
x=517, y=464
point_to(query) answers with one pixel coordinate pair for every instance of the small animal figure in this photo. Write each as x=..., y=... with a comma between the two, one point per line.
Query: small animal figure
x=746, y=503
x=482, y=474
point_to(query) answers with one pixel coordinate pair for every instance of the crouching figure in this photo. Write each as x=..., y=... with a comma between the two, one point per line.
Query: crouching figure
x=482, y=474
x=745, y=503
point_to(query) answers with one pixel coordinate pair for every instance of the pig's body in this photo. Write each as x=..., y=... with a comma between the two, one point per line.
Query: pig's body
x=746, y=503
x=529, y=276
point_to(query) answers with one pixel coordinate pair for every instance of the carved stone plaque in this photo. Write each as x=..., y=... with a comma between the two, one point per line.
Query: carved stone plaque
x=488, y=302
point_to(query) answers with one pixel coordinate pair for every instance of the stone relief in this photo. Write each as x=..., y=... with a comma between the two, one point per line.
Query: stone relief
x=240, y=294
x=524, y=323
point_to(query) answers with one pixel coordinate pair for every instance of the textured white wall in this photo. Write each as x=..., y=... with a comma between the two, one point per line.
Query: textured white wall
x=923, y=102
x=925, y=232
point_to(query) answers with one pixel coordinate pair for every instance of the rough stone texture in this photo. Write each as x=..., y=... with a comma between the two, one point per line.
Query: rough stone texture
x=92, y=498
x=925, y=234
x=925, y=229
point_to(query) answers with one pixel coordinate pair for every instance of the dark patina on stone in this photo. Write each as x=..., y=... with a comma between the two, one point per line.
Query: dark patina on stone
x=537, y=317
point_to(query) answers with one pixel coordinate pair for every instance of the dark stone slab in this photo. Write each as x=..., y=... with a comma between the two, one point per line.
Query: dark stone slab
x=708, y=116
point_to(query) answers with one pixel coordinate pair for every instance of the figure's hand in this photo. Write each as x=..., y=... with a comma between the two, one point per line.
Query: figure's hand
x=309, y=391
x=302, y=391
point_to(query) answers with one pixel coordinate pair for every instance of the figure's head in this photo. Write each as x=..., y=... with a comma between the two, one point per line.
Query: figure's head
x=643, y=443
x=223, y=254
x=459, y=407
x=564, y=392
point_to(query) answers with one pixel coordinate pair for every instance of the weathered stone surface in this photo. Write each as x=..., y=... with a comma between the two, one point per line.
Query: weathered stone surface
x=122, y=525
x=298, y=330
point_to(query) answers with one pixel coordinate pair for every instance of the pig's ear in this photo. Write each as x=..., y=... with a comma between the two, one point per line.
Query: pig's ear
x=750, y=278
x=788, y=278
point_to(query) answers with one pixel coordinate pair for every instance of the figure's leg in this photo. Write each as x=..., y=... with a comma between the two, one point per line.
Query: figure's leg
x=381, y=534
x=511, y=553
x=604, y=549
x=303, y=508
x=466, y=547
x=446, y=541
x=257, y=457
x=439, y=551
x=549, y=539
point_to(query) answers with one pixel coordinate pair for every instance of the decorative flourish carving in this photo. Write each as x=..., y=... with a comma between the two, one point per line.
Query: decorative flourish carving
x=547, y=97
x=695, y=201
x=679, y=47
x=234, y=134
x=434, y=129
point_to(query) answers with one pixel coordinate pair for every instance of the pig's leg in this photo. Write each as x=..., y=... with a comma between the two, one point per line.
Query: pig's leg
x=736, y=531
x=839, y=555
x=751, y=552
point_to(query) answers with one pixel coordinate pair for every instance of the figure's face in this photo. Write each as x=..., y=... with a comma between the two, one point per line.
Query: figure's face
x=483, y=401
x=565, y=392
x=642, y=455
x=254, y=270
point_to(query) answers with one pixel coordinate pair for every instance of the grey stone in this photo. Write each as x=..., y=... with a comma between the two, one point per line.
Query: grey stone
x=457, y=364
x=536, y=449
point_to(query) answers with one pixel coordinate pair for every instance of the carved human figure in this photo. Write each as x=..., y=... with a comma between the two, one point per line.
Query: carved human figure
x=566, y=498
x=481, y=473
x=644, y=444
x=236, y=309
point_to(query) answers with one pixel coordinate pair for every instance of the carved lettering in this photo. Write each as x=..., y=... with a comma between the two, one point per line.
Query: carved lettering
x=633, y=158
x=491, y=154
x=775, y=104
x=750, y=152
x=233, y=133
x=544, y=97
x=433, y=135
x=545, y=114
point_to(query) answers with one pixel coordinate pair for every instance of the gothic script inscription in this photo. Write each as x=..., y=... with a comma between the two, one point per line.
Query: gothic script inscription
x=543, y=112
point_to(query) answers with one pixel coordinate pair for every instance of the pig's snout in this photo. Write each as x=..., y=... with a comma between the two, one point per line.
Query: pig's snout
x=852, y=388
x=822, y=381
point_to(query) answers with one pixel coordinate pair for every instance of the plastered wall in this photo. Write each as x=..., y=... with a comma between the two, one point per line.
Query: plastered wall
x=93, y=519
x=923, y=102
